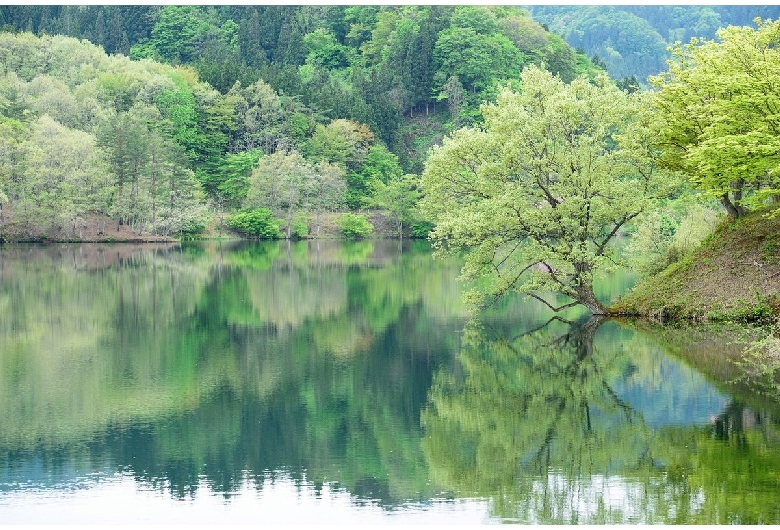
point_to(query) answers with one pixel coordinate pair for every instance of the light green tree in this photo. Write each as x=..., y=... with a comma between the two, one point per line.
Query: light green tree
x=328, y=190
x=3, y=201
x=12, y=147
x=63, y=176
x=719, y=115
x=260, y=119
x=538, y=193
x=283, y=182
x=399, y=196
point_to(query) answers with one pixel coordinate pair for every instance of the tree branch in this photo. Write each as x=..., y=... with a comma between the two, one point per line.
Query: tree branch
x=556, y=309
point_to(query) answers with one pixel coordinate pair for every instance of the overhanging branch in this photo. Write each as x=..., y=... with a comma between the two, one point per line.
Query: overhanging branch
x=556, y=309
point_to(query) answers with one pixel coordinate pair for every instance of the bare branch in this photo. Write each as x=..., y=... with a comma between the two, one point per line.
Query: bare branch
x=556, y=309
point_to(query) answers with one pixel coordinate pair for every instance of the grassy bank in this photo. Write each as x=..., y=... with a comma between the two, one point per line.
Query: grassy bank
x=733, y=275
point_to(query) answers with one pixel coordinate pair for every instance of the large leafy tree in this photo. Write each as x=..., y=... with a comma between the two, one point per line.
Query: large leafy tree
x=538, y=193
x=719, y=110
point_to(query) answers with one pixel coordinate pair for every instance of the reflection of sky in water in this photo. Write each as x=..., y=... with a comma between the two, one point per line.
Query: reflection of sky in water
x=665, y=391
x=602, y=499
x=119, y=499
x=36, y=473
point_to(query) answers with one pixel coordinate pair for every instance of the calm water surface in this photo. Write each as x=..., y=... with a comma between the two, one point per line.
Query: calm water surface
x=323, y=382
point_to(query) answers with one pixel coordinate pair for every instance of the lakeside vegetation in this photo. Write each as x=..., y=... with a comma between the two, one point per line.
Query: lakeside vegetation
x=167, y=132
x=231, y=365
x=205, y=119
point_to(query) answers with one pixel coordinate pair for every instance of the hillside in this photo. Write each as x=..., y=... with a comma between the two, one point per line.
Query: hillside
x=631, y=40
x=376, y=65
x=157, y=116
x=733, y=275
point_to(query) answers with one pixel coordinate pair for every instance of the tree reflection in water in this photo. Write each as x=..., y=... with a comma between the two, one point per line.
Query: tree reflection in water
x=210, y=369
x=535, y=424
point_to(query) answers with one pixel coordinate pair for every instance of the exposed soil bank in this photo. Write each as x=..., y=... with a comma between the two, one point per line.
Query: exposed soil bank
x=733, y=275
x=102, y=229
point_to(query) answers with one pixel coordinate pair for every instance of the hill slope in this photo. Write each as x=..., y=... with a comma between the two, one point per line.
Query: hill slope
x=631, y=40
x=734, y=274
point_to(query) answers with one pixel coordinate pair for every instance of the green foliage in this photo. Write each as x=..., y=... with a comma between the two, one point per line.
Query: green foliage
x=421, y=229
x=233, y=174
x=634, y=39
x=760, y=362
x=284, y=183
x=334, y=84
x=663, y=236
x=519, y=197
x=380, y=166
x=711, y=127
x=625, y=42
x=177, y=32
x=399, y=197
x=258, y=222
x=324, y=50
x=299, y=228
x=477, y=60
x=764, y=310
x=354, y=226
x=560, y=59
x=178, y=107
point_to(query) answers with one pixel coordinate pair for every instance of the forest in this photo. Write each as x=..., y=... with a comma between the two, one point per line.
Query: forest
x=282, y=121
x=525, y=143
x=632, y=40
x=156, y=117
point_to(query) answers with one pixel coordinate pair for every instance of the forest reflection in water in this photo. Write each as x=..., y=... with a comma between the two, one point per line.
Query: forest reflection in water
x=353, y=369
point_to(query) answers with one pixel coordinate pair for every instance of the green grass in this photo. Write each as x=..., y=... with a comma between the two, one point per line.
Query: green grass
x=719, y=280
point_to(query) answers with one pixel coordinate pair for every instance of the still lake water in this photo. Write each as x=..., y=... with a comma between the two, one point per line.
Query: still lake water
x=329, y=382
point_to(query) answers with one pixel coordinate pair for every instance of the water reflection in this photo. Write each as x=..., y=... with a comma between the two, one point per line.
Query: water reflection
x=348, y=371
x=597, y=425
x=206, y=365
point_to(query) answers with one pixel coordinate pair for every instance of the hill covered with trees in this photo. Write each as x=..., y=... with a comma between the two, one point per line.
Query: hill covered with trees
x=149, y=115
x=632, y=40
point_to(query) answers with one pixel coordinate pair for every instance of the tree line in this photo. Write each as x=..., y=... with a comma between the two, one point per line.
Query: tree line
x=564, y=159
x=376, y=65
x=343, y=103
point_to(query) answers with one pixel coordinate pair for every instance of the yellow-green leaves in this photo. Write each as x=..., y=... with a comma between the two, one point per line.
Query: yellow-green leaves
x=537, y=194
x=719, y=114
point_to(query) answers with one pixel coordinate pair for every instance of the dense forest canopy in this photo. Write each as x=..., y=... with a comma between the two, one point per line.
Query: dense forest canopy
x=371, y=64
x=632, y=40
x=175, y=111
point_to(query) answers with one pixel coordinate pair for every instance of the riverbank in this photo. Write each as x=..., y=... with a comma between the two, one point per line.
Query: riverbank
x=733, y=275
x=102, y=229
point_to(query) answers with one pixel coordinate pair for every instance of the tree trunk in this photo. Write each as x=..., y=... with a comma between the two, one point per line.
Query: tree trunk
x=734, y=210
x=584, y=294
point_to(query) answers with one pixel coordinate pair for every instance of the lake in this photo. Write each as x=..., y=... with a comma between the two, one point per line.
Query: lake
x=330, y=382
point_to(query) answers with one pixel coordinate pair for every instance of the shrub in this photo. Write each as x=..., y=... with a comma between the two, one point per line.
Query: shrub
x=259, y=222
x=299, y=228
x=355, y=226
x=421, y=229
